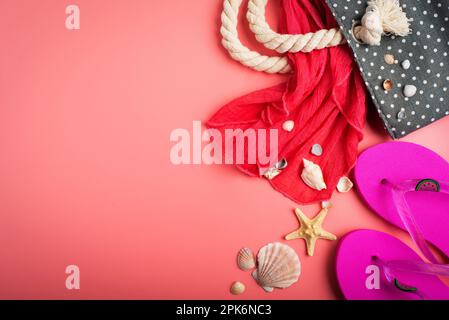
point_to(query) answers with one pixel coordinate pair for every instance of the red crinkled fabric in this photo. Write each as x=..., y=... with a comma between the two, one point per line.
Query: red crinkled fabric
x=325, y=97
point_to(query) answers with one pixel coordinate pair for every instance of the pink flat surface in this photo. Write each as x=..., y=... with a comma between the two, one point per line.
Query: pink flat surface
x=355, y=254
x=86, y=178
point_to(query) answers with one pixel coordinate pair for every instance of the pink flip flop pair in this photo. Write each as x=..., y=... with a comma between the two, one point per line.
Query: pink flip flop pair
x=407, y=185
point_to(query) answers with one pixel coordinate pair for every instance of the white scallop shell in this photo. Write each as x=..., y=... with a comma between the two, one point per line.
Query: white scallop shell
x=278, y=266
x=313, y=176
x=245, y=259
x=344, y=185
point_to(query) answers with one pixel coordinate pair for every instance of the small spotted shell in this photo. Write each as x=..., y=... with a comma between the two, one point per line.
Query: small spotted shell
x=245, y=259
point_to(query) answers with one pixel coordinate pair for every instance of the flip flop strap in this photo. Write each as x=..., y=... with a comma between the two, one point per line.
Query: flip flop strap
x=391, y=266
x=413, y=266
x=407, y=218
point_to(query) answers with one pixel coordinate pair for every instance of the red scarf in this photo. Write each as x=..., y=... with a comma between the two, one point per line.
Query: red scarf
x=325, y=96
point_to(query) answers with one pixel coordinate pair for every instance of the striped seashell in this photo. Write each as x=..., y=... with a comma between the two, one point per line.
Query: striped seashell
x=278, y=266
x=245, y=259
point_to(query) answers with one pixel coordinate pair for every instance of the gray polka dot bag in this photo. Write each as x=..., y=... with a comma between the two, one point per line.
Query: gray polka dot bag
x=407, y=74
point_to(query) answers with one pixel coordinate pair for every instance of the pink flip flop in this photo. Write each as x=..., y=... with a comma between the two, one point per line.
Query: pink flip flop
x=406, y=185
x=373, y=265
x=396, y=179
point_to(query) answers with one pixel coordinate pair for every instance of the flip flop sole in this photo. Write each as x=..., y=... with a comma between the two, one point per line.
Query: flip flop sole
x=399, y=161
x=360, y=278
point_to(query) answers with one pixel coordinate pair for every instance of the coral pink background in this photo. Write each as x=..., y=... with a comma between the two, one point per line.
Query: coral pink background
x=85, y=174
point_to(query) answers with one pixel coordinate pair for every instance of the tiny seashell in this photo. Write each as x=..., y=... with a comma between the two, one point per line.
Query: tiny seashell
x=317, y=150
x=278, y=266
x=313, y=176
x=388, y=85
x=326, y=205
x=271, y=173
x=389, y=58
x=409, y=90
x=288, y=125
x=237, y=288
x=401, y=115
x=344, y=185
x=281, y=165
x=245, y=259
x=406, y=64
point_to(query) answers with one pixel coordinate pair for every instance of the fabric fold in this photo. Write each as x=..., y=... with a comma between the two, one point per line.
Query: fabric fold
x=324, y=96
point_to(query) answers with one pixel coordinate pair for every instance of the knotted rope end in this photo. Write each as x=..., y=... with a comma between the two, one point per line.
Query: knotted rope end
x=382, y=17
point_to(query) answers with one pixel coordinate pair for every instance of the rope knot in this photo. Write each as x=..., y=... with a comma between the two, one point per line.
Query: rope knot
x=382, y=17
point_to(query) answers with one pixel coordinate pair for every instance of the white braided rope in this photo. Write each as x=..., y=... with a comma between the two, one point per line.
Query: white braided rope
x=283, y=43
x=252, y=59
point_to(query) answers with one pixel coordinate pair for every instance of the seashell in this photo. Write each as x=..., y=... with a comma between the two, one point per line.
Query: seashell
x=344, y=185
x=288, y=125
x=271, y=173
x=326, y=205
x=406, y=64
x=281, y=165
x=278, y=266
x=389, y=58
x=401, y=115
x=274, y=171
x=237, y=288
x=313, y=176
x=317, y=150
x=409, y=90
x=388, y=85
x=245, y=259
